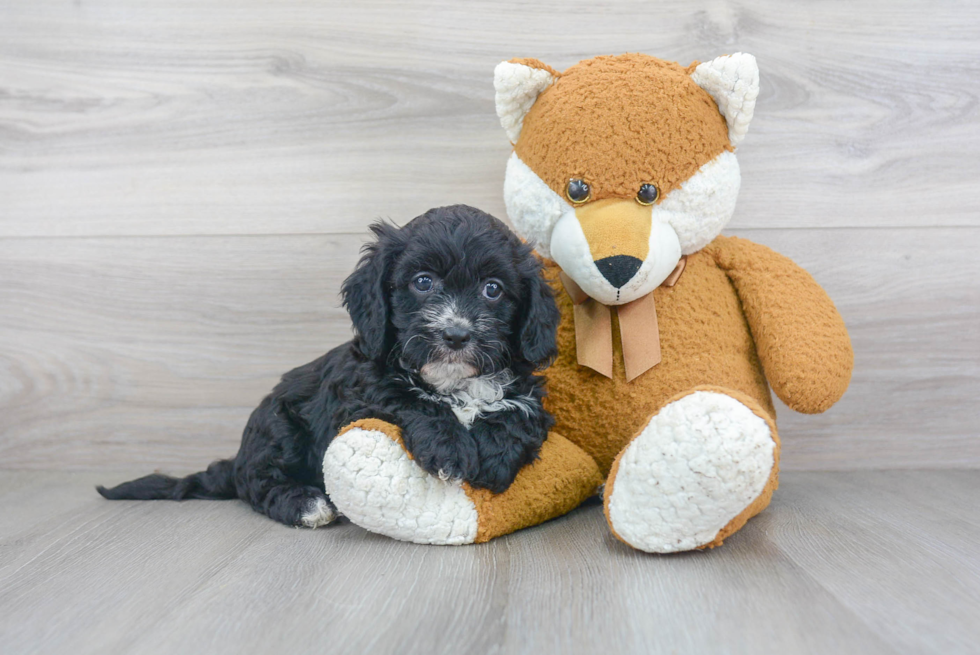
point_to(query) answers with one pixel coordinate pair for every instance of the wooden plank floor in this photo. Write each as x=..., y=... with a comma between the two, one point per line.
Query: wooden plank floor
x=869, y=562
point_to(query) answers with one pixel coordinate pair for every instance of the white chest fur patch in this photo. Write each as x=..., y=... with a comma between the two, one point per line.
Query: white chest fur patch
x=447, y=376
x=473, y=397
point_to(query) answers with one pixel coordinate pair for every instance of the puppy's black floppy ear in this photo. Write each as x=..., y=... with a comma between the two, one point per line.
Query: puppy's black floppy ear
x=539, y=316
x=366, y=291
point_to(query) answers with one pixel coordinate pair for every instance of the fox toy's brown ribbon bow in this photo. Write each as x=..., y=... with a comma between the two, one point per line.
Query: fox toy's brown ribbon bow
x=638, y=329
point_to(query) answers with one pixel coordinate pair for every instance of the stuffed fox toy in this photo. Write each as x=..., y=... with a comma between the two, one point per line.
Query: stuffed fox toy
x=623, y=175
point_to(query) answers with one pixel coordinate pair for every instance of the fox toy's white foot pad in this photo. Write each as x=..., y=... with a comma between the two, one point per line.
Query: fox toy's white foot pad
x=696, y=466
x=377, y=485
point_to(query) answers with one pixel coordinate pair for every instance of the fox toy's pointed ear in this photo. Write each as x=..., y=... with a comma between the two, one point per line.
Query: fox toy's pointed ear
x=518, y=83
x=733, y=82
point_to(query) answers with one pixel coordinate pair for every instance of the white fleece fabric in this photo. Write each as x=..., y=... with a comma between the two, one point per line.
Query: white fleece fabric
x=374, y=483
x=699, y=462
x=533, y=208
x=733, y=82
x=697, y=211
x=703, y=205
x=570, y=249
x=517, y=88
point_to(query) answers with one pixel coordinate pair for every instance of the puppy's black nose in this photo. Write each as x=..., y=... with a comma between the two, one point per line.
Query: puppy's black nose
x=456, y=337
x=618, y=269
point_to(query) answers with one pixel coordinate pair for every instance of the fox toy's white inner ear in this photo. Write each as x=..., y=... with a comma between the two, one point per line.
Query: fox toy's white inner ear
x=733, y=82
x=517, y=88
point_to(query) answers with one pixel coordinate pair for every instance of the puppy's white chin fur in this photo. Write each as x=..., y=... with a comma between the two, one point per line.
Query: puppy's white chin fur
x=446, y=376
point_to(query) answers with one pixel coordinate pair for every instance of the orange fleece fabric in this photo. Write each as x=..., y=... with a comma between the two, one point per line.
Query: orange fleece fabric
x=587, y=123
x=710, y=322
x=554, y=484
x=799, y=335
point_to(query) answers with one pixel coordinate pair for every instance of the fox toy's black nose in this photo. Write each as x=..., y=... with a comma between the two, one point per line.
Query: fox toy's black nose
x=618, y=269
x=456, y=337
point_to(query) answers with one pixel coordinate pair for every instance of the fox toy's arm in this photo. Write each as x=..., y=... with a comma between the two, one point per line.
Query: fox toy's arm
x=801, y=339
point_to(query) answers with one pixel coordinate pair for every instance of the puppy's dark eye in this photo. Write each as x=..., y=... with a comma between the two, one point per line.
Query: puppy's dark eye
x=578, y=191
x=647, y=195
x=492, y=289
x=422, y=283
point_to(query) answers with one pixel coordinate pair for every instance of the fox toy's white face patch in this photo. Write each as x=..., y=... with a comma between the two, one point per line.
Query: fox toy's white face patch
x=614, y=244
x=532, y=206
x=702, y=207
x=570, y=250
x=685, y=221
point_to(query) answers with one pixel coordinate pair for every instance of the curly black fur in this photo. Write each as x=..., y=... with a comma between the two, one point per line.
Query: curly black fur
x=402, y=368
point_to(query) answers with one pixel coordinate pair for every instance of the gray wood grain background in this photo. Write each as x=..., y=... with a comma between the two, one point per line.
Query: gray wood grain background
x=183, y=186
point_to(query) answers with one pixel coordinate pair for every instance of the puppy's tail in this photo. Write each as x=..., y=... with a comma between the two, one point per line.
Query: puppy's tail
x=216, y=483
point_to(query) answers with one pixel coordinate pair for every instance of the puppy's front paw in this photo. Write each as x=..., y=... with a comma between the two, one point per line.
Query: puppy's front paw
x=448, y=471
x=446, y=461
x=377, y=485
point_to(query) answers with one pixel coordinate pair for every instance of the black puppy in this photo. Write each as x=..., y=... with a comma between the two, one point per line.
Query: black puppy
x=451, y=318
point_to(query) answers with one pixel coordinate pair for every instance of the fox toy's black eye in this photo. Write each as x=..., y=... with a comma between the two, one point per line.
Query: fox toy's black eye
x=578, y=191
x=647, y=195
x=492, y=289
x=422, y=283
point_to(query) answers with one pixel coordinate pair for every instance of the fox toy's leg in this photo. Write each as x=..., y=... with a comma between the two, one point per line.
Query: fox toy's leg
x=375, y=483
x=701, y=467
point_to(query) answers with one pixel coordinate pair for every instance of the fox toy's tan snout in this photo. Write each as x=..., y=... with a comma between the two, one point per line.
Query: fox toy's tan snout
x=618, y=234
